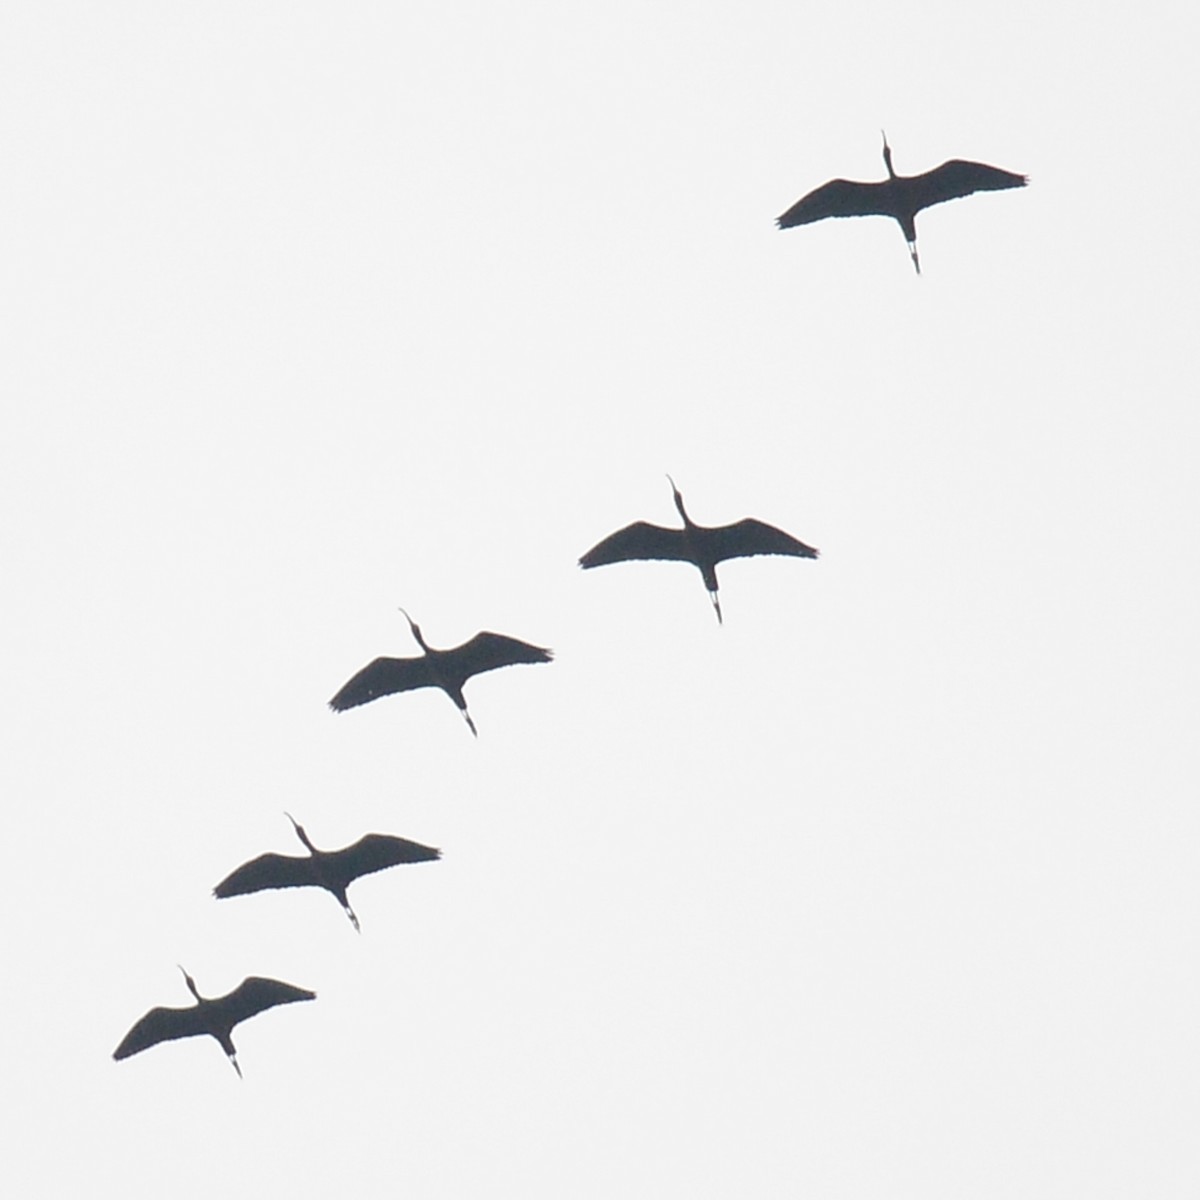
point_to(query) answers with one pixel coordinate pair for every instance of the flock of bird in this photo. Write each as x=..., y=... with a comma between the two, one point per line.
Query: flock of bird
x=900, y=197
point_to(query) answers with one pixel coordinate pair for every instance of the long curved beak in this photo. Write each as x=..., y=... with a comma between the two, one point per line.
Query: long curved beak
x=416, y=629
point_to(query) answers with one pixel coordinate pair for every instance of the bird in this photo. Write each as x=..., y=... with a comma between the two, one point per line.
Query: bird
x=899, y=196
x=333, y=870
x=216, y=1017
x=698, y=544
x=447, y=669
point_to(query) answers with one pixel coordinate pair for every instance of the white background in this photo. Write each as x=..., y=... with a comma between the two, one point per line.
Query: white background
x=886, y=888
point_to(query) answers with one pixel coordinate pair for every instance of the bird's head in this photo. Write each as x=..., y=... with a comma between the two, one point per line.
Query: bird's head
x=678, y=498
x=299, y=830
x=887, y=155
x=189, y=981
x=416, y=630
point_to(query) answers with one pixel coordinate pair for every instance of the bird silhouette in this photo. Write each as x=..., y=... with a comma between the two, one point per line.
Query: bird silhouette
x=334, y=870
x=446, y=669
x=899, y=196
x=698, y=544
x=216, y=1017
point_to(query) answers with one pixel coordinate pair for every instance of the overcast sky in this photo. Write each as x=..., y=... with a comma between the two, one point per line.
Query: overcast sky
x=886, y=887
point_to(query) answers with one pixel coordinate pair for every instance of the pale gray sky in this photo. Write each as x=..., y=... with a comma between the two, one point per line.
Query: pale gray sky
x=886, y=888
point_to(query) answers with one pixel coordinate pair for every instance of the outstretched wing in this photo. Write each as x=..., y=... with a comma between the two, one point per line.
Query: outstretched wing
x=487, y=651
x=639, y=540
x=837, y=198
x=267, y=871
x=749, y=537
x=382, y=677
x=376, y=852
x=160, y=1025
x=958, y=177
x=255, y=995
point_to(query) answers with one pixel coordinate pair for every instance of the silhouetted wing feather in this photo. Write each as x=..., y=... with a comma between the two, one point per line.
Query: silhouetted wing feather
x=487, y=651
x=160, y=1025
x=255, y=995
x=838, y=198
x=639, y=540
x=267, y=871
x=376, y=852
x=382, y=677
x=750, y=537
x=958, y=177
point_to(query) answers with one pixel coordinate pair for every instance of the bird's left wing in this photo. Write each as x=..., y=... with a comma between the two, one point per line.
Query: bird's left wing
x=487, y=651
x=255, y=994
x=837, y=198
x=749, y=537
x=160, y=1025
x=375, y=852
x=641, y=540
x=959, y=177
x=382, y=677
x=266, y=871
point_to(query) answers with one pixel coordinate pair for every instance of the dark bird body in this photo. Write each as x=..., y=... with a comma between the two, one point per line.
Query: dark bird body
x=334, y=870
x=215, y=1017
x=446, y=669
x=700, y=545
x=899, y=196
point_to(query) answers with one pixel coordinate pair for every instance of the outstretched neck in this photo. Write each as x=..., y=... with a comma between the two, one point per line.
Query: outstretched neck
x=679, y=502
x=191, y=983
x=416, y=631
x=301, y=834
x=887, y=158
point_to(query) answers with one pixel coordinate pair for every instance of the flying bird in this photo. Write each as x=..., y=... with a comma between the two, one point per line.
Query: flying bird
x=447, y=669
x=216, y=1017
x=334, y=870
x=698, y=544
x=899, y=196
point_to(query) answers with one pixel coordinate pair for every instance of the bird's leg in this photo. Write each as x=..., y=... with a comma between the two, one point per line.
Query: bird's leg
x=912, y=249
x=234, y=1061
x=716, y=603
x=455, y=694
x=353, y=918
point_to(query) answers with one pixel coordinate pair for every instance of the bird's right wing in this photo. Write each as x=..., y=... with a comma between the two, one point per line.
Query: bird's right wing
x=837, y=198
x=960, y=177
x=266, y=871
x=376, y=852
x=160, y=1025
x=639, y=540
x=487, y=651
x=382, y=677
x=749, y=537
x=254, y=995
